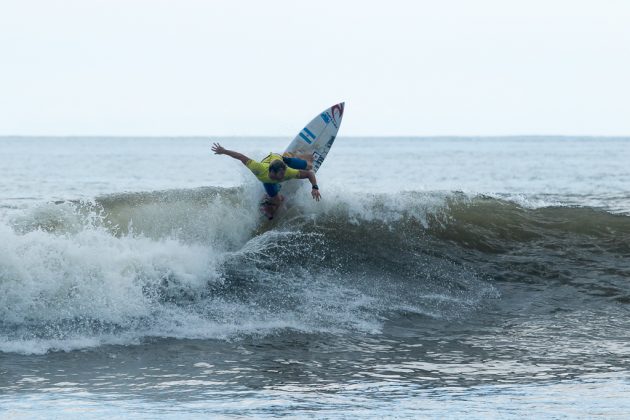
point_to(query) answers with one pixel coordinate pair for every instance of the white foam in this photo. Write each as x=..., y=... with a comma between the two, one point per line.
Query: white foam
x=367, y=207
x=92, y=274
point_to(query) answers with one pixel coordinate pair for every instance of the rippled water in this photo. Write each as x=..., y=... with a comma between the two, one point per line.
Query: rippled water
x=301, y=375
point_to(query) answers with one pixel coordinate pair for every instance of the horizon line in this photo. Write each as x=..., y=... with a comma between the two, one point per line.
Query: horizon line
x=372, y=136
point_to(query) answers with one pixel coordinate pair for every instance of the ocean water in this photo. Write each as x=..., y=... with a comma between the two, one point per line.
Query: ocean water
x=438, y=277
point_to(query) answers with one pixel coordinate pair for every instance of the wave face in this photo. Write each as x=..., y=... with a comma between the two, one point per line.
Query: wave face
x=200, y=263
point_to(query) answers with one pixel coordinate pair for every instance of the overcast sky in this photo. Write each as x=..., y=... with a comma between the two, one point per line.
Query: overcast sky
x=239, y=67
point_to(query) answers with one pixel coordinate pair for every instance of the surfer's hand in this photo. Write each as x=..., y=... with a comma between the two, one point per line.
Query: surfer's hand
x=218, y=149
x=316, y=195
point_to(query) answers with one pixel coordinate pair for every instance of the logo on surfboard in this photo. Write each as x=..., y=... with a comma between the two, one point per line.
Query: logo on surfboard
x=328, y=117
x=339, y=108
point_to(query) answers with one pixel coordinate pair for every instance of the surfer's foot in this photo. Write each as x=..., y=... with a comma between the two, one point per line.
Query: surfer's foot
x=268, y=210
x=269, y=205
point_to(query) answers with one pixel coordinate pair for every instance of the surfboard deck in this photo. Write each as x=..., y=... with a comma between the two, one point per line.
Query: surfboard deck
x=315, y=139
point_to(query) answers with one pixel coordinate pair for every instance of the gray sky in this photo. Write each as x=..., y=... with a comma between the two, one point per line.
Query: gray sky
x=239, y=67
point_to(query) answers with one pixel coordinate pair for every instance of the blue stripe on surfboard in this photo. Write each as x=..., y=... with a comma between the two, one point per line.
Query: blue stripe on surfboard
x=306, y=139
x=309, y=133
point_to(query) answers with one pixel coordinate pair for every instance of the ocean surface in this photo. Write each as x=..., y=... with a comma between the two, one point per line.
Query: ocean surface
x=438, y=277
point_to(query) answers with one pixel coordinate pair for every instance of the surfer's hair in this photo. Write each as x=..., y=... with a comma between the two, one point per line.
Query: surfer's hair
x=277, y=166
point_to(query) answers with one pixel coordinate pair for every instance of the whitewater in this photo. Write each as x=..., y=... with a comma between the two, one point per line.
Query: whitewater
x=437, y=277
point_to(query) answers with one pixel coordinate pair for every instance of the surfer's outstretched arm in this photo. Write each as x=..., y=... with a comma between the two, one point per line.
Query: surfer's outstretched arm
x=311, y=177
x=220, y=150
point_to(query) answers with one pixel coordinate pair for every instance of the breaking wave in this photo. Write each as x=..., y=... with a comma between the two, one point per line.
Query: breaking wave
x=202, y=263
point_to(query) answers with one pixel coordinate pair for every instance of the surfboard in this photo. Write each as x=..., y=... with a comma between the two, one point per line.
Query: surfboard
x=315, y=139
x=318, y=136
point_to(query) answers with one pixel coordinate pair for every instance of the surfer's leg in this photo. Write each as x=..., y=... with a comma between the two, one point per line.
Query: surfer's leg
x=298, y=163
x=272, y=200
x=272, y=190
x=273, y=197
x=308, y=157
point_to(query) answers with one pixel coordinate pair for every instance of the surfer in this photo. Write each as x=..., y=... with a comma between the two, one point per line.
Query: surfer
x=273, y=170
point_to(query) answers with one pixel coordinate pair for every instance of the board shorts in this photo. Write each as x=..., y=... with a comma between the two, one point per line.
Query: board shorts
x=292, y=162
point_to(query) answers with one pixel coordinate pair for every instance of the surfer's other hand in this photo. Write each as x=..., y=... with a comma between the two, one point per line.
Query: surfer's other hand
x=218, y=149
x=316, y=195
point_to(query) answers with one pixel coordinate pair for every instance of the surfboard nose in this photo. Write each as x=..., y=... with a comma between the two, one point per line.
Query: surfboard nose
x=337, y=111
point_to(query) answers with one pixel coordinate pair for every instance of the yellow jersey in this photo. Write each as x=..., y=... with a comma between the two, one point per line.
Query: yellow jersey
x=261, y=169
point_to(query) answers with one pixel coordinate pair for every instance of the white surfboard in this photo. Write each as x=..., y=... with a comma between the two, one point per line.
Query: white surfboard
x=319, y=135
x=316, y=139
